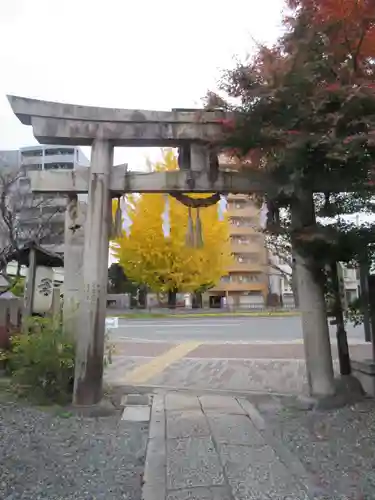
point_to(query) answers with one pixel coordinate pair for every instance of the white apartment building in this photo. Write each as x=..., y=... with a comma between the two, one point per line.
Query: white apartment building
x=280, y=275
x=32, y=209
x=45, y=207
x=351, y=282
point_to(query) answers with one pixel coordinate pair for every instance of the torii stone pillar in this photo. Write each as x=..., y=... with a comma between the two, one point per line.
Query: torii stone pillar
x=75, y=217
x=90, y=342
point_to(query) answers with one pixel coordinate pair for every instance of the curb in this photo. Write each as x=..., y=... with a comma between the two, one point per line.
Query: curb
x=206, y=315
x=152, y=389
x=154, y=478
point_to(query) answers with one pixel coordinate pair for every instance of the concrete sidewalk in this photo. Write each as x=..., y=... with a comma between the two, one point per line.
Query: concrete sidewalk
x=218, y=448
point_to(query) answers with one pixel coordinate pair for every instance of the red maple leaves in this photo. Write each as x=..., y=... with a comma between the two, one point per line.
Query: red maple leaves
x=351, y=24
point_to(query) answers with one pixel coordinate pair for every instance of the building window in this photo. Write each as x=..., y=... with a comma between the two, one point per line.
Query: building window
x=31, y=153
x=249, y=277
x=237, y=239
x=246, y=258
x=237, y=205
x=58, y=166
x=286, y=286
x=253, y=277
x=240, y=240
x=33, y=167
x=57, y=151
x=242, y=221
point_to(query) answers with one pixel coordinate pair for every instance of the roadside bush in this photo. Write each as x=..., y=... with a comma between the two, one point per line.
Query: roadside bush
x=355, y=312
x=41, y=362
x=18, y=287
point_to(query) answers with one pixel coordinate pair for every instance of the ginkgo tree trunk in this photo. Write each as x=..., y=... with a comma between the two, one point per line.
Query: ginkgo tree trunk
x=166, y=263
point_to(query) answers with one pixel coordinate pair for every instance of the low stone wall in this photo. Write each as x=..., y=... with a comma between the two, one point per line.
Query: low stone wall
x=10, y=319
x=118, y=300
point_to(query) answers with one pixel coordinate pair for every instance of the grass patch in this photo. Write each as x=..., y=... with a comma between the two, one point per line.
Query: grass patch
x=12, y=393
x=255, y=314
x=243, y=314
x=6, y=391
x=144, y=315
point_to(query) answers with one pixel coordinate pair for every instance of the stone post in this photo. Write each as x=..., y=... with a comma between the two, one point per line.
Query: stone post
x=75, y=216
x=30, y=285
x=92, y=308
x=319, y=366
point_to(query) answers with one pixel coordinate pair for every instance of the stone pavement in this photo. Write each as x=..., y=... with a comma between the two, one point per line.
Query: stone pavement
x=218, y=448
x=276, y=368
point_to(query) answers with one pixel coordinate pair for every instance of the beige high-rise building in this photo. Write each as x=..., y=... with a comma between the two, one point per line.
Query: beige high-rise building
x=246, y=283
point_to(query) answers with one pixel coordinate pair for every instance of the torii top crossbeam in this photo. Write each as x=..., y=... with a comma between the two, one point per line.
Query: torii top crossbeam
x=57, y=123
x=60, y=123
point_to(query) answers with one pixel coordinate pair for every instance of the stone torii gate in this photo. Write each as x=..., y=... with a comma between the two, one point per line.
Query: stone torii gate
x=194, y=132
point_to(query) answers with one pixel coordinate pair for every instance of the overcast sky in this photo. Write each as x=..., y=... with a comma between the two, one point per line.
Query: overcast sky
x=123, y=53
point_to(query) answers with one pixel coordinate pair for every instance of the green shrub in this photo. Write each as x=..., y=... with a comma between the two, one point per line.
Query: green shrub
x=42, y=362
x=18, y=287
x=355, y=312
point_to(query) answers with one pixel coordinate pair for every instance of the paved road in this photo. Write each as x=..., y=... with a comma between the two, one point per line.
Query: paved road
x=220, y=330
x=259, y=354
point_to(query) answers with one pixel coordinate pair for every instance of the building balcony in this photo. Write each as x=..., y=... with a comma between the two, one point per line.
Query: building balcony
x=261, y=287
x=46, y=160
x=251, y=247
x=234, y=197
x=31, y=160
x=351, y=284
x=246, y=230
x=62, y=165
x=247, y=267
x=245, y=212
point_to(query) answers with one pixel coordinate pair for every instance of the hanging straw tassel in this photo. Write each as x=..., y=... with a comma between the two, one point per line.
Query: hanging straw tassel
x=117, y=225
x=166, y=219
x=127, y=222
x=263, y=216
x=112, y=230
x=190, y=231
x=222, y=208
x=198, y=231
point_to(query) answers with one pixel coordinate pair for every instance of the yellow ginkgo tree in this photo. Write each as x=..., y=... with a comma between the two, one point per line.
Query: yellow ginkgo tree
x=165, y=262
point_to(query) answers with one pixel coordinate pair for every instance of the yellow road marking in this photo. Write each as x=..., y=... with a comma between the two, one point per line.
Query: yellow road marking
x=141, y=374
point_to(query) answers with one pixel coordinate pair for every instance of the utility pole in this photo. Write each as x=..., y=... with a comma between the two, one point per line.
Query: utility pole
x=339, y=306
